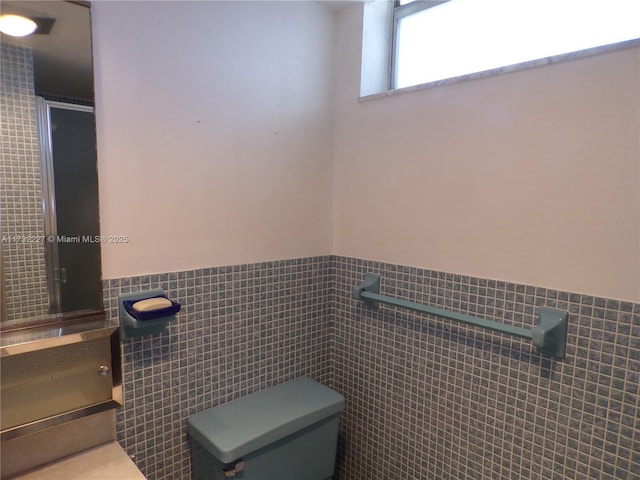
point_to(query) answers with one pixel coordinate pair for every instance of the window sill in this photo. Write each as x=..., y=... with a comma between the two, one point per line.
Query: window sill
x=565, y=57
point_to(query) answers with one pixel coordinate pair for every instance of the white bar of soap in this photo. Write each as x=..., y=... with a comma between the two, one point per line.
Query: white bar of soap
x=151, y=304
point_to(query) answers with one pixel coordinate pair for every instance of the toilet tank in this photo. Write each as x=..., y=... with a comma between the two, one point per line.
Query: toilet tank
x=286, y=432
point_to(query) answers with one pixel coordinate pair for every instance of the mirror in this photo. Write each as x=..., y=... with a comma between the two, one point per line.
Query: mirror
x=50, y=266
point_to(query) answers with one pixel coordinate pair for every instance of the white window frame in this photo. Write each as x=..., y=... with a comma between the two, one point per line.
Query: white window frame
x=399, y=12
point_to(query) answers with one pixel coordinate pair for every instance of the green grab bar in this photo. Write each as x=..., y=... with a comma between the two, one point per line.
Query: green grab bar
x=549, y=335
x=458, y=317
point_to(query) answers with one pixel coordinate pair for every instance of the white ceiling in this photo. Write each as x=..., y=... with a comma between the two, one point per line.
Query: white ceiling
x=338, y=5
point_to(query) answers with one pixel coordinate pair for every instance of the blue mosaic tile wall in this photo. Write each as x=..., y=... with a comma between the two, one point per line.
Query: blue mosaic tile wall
x=242, y=328
x=21, y=187
x=430, y=399
x=426, y=398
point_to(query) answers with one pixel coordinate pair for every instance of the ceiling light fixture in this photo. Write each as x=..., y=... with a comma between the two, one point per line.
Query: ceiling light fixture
x=16, y=25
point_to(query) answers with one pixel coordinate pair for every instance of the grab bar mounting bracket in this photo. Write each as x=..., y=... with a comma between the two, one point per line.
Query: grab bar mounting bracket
x=371, y=284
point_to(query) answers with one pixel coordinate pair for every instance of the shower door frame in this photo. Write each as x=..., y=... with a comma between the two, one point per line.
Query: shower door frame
x=55, y=276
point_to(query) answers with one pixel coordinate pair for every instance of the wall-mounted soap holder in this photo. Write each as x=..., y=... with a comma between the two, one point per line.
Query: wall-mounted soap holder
x=148, y=324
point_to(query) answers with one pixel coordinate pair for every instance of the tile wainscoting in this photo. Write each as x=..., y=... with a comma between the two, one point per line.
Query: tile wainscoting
x=241, y=329
x=426, y=398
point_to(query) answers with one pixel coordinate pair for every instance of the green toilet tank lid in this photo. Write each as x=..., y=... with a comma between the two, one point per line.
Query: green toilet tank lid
x=254, y=421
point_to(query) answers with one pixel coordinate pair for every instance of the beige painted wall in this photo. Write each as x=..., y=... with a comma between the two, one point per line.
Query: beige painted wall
x=214, y=123
x=528, y=177
x=222, y=145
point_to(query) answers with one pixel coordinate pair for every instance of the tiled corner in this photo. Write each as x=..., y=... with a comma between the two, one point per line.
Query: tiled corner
x=425, y=398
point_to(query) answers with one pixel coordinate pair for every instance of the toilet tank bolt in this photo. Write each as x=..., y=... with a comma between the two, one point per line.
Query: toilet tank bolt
x=237, y=468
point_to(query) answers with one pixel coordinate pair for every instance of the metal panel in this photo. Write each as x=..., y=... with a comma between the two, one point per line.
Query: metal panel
x=49, y=379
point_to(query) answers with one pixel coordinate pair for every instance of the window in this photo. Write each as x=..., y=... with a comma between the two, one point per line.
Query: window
x=438, y=39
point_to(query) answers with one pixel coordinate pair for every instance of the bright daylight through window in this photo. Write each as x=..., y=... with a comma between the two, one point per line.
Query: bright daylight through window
x=435, y=40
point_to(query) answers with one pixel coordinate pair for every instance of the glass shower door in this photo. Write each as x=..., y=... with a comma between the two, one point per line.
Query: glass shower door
x=70, y=201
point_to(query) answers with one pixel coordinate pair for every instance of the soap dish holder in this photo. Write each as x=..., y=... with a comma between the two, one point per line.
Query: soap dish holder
x=131, y=327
